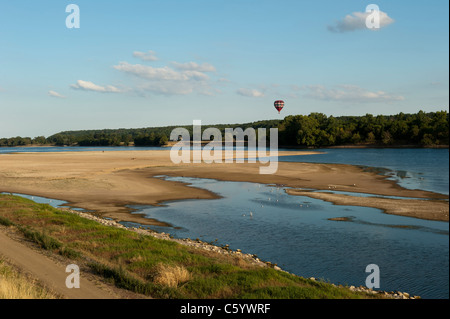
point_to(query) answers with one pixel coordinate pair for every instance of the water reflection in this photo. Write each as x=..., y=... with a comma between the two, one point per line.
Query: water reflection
x=311, y=237
x=299, y=234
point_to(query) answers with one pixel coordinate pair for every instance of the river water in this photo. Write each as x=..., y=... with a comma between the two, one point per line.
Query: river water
x=296, y=232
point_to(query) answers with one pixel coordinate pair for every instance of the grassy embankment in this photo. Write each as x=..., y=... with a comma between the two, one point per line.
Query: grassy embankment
x=151, y=266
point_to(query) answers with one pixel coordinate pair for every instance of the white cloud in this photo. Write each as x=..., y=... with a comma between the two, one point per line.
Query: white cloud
x=89, y=86
x=176, y=88
x=196, y=75
x=182, y=79
x=357, y=21
x=173, y=79
x=166, y=88
x=192, y=66
x=250, y=92
x=223, y=80
x=349, y=93
x=55, y=94
x=163, y=73
x=145, y=56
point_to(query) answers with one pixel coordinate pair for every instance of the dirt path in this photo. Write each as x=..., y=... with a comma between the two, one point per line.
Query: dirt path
x=52, y=273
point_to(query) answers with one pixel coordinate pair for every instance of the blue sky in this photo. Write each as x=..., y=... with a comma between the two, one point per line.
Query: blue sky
x=155, y=63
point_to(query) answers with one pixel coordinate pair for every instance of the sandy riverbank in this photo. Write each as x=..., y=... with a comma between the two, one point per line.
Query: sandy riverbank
x=106, y=182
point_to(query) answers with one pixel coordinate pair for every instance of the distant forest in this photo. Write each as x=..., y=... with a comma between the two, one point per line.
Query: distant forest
x=313, y=130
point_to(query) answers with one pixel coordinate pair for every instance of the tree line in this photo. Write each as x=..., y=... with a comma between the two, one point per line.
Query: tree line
x=151, y=136
x=313, y=130
x=318, y=130
x=23, y=141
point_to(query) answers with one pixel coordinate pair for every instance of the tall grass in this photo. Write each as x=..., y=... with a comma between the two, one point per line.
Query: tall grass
x=5, y=222
x=170, y=276
x=40, y=238
x=14, y=285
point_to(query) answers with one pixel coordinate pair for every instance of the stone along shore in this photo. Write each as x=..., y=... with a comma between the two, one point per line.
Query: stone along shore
x=225, y=250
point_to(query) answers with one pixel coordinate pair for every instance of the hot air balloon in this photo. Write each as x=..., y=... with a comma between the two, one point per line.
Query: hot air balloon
x=279, y=105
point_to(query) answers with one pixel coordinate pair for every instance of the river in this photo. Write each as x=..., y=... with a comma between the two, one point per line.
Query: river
x=296, y=232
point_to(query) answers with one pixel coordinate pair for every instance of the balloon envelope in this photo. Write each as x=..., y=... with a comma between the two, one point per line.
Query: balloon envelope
x=279, y=105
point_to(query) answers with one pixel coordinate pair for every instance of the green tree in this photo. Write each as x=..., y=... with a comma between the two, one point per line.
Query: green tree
x=39, y=140
x=371, y=138
x=356, y=138
x=386, y=138
x=427, y=140
x=163, y=140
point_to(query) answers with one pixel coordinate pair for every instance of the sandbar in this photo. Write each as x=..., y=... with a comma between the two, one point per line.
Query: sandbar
x=108, y=183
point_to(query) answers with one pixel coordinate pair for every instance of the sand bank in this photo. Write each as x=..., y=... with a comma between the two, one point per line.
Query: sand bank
x=107, y=182
x=424, y=209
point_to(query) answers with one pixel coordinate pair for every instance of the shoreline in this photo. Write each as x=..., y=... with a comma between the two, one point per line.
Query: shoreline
x=15, y=255
x=251, y=258
x=297, y=147
x=364, y=146
x=401, y=207
x=109, y=182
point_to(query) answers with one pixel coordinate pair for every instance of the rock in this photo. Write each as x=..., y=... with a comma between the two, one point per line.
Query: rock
x=225, y=250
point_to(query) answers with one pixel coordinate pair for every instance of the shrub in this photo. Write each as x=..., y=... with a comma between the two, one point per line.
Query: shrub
x=171, y=276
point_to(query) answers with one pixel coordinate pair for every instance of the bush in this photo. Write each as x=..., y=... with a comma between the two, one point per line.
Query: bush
x=5, y=222
x=43, y=240
x=170, y=276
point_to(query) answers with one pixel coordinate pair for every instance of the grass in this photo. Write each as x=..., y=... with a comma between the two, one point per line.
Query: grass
x=171, y=276
x=46, y=242
x=15, y=285
x=151, y=266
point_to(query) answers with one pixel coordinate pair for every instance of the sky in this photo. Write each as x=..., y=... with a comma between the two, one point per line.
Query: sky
x=136, y=63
